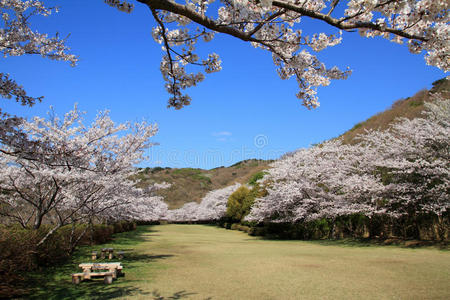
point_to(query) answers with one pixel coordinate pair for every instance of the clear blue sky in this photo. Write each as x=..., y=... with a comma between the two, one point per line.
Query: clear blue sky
x=246, y=101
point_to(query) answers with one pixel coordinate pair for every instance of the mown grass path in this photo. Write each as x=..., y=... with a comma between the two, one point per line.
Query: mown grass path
x=206, y=262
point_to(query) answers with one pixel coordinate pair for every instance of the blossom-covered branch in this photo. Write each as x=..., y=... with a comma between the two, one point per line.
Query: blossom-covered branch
x=275, y=26
x=18, y=38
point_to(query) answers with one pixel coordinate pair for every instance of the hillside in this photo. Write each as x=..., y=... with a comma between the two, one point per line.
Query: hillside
x=410, y=107
x=190, y=184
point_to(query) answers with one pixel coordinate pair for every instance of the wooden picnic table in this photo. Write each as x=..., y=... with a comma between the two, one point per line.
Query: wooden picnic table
x=114, y=267
x=78, y=277
x=112, y=271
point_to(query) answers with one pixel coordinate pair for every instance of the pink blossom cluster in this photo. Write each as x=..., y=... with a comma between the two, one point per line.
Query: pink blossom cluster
x=17, y=38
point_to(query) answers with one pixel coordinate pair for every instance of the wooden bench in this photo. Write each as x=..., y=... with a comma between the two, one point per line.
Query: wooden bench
x=109, y=251
x=116, y=268
x=78, y=277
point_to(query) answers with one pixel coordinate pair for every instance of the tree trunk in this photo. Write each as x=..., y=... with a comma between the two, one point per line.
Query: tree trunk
x=42, y=241
x=73, y=244
x=38, y=221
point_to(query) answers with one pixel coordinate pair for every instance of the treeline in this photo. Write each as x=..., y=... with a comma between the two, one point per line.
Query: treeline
x=426, y=227
x=392, y=184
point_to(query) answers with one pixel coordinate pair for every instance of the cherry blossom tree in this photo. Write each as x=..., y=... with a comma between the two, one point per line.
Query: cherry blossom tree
x=212, y=207
x=60, y=171
x=414, y=161
x=275, y=26
x=145, y=205
x=314, y=183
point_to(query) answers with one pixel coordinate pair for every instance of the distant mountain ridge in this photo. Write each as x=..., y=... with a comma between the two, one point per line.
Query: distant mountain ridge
x=190, y=184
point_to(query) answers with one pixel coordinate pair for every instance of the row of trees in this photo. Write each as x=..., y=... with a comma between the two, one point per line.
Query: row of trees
x=58, y=171
x=400, y=173
x=212, y=207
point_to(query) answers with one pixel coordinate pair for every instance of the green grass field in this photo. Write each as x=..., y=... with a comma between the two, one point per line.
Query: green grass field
x=206, y=262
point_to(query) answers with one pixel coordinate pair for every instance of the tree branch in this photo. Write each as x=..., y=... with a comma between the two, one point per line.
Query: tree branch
x=213, y=25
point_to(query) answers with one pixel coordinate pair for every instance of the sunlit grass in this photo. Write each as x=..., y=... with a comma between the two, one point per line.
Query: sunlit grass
x=206, y=262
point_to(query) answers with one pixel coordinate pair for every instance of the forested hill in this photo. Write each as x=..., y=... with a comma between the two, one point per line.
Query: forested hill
x=410, y=107
x=192, y=184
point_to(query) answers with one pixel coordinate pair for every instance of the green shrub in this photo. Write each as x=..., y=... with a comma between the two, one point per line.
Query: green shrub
x=234, y=226
x=237, y=226
x=102, y=233
x=239, y=204
x=118, y=227
x=241, y=201
x=186, y=171
x=416, y=103
x=201, y=177
x=255, y=177
x=156, y=170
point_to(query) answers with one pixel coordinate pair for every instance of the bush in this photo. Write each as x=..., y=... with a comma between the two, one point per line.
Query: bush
x=156, y=170
x=102, y=233
x=237, y=226
x=118, y=227
x=256, y=177
x=19, y=254
x=239, y=204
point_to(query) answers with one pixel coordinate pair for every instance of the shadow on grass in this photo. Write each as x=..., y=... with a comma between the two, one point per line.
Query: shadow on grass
x=96, y=289
x=54, y=282
x=140, y=234
x=136, y=260
x=177, y=295
x=120, y=242
x=346, y=242
x=383, y=243
x=349, y=242
x=85, y=290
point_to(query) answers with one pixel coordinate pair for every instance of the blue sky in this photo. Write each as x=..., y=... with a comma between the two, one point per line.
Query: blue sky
x=244, y=111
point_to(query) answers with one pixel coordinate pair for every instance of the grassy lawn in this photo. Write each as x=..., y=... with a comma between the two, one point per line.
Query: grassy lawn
x=206, y=262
